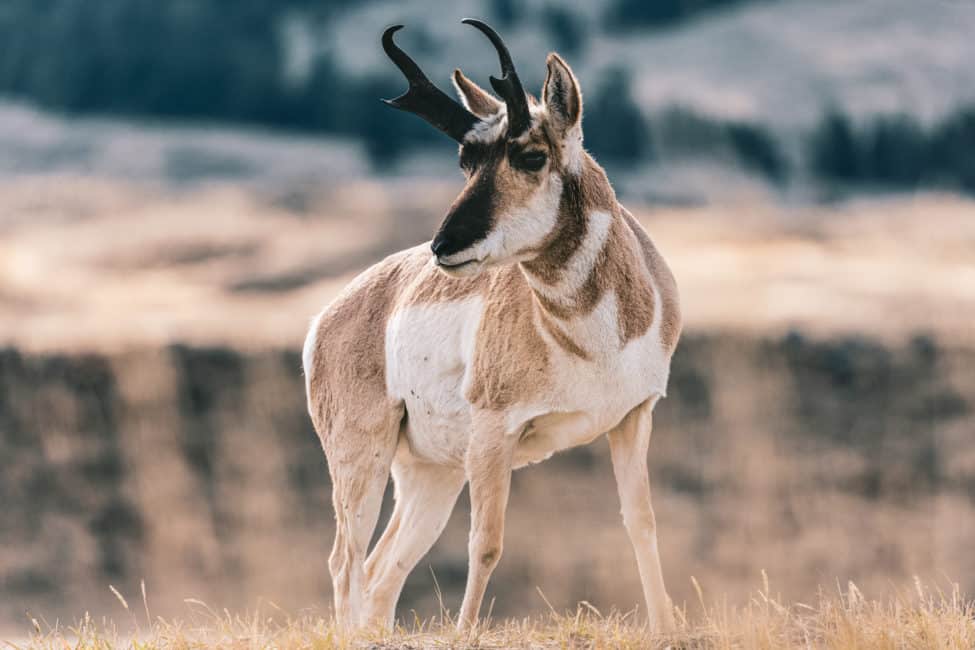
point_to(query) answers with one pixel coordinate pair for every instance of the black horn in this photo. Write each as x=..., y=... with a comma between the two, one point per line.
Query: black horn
x=423, y=98
x=509, y=86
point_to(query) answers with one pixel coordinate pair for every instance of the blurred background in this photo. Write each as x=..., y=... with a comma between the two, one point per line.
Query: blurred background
x=183, y=184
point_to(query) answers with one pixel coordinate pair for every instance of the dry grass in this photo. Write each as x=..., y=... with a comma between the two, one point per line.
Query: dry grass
x=841, y=618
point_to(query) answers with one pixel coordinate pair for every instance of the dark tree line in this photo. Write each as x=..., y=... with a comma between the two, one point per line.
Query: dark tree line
x=218, y=60
x=896, y=151
x=626, y=15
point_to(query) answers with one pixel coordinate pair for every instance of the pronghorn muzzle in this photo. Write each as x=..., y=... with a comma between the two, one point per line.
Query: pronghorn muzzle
x=468, y=221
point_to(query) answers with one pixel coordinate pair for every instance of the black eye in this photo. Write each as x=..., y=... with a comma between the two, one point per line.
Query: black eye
x=530, y=161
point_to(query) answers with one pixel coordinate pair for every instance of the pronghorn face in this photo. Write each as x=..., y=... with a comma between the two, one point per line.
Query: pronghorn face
x=509, y=207
x=516, y=154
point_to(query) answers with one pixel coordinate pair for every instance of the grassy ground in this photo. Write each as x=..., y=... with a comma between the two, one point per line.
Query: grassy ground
x=841, y=618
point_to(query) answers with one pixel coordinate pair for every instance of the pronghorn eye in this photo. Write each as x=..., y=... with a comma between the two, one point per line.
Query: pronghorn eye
x=530, y=161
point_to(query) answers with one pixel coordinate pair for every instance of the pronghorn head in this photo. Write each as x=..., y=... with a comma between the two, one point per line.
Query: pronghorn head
x=516, y=152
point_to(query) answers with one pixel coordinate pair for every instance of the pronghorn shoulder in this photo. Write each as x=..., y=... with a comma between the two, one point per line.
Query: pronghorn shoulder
x=353, y=326
x=356, y=320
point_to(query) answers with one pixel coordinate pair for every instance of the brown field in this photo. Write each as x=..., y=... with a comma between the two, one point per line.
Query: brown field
x=89, y=264
x=819, y=427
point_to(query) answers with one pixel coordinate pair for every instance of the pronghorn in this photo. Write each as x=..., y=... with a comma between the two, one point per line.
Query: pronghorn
x=540, y=317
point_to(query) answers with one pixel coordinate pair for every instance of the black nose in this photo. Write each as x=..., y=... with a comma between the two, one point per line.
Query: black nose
x=439, y=245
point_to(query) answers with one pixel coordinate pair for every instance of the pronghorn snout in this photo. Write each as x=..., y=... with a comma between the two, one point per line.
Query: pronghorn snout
x=468, y=222
x=454, y=244
x=453, y=256
x=441, y=246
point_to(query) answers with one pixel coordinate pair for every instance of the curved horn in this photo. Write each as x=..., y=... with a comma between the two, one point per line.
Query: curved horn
x=509, y=86
x=423, y=98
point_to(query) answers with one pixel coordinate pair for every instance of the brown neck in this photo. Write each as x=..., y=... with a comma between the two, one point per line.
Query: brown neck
x=564, y=272
x=594, y=251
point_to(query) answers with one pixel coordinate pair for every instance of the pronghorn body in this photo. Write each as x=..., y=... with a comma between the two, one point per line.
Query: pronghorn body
x=544, y=319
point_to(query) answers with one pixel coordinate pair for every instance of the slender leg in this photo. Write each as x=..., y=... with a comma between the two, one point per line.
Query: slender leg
x=425, y=496
x=489, y=459
x=358, y=462
x=628, y=444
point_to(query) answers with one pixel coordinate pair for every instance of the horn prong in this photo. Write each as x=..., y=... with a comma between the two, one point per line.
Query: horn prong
x=509, y=85
x=422, y=97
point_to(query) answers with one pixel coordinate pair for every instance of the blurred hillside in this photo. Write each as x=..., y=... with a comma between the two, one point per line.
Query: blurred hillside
x=873, y=94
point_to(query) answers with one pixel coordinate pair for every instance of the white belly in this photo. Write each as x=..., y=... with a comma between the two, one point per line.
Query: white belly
x=429, y=350
x=590, y=402
x=593, y=395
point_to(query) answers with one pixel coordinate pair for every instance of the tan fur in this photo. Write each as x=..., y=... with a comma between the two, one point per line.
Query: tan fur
x=624, y=275
x=511, y=361
x=666, y=284
x=564, y=341
x=356, y=320
x=431, y=286
x=581, y=196
x=628, y=445
x=625, y=262
x=512, y=189
x=357, y=422
x=488, y=467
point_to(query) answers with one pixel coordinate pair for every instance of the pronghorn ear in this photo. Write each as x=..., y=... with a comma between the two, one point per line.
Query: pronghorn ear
x=476, y=99
x=561, y=94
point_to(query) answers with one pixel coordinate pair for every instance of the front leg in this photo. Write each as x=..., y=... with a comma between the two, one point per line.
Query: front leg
x=488, y=464
x=628, y=445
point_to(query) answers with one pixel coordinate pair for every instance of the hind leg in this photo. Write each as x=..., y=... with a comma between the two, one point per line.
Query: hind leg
x=628, y=446
x=425, y=497
x=358, y=461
